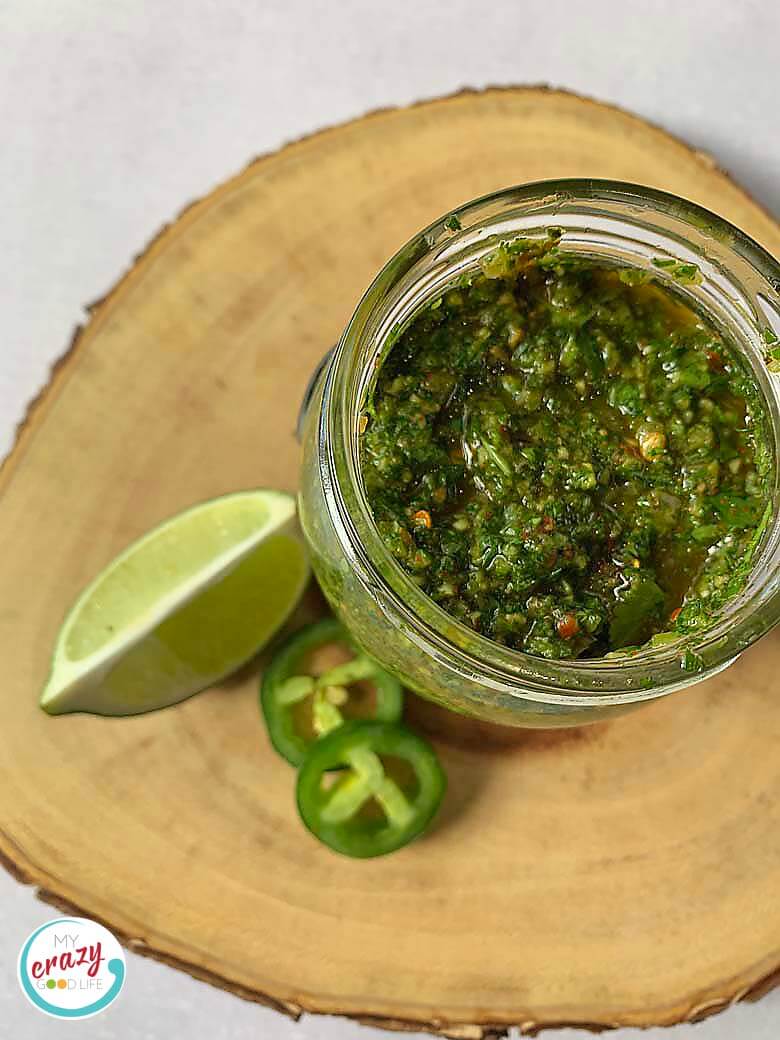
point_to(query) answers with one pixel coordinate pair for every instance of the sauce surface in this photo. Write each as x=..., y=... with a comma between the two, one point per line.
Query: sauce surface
x=565, y=457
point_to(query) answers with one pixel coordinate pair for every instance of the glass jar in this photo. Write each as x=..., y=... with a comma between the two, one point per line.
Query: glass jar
x=432, y=653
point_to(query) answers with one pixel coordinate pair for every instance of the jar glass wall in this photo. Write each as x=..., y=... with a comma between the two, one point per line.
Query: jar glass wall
x=618, y=225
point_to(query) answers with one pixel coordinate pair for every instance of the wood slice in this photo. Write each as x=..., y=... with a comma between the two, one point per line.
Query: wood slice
x=622, y=874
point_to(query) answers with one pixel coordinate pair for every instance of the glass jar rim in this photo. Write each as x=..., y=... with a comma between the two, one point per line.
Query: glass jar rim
x=648, y=671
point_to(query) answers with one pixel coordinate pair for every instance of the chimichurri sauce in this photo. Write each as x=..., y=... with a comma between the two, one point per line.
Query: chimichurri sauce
x=565, y=457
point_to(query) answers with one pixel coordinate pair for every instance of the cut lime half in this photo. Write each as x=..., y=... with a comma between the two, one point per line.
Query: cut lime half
x=181, y=608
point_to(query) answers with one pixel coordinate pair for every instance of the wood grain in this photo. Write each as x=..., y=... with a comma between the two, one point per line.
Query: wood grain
x=623, y=874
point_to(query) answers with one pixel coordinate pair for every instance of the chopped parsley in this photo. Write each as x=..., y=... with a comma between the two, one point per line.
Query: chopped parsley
x=566, y=457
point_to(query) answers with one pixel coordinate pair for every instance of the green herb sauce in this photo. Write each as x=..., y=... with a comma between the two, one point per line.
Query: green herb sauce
x=566, y=457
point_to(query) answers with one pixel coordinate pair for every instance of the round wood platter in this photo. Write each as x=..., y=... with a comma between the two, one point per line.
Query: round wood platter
x=625, y=873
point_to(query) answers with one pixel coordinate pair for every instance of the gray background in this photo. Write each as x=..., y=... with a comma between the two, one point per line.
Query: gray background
x=114, y=113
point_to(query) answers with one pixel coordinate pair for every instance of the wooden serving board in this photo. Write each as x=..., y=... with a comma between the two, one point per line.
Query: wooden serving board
x=626, y=873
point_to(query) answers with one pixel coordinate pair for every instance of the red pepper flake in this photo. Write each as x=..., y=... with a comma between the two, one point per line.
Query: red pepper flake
x=567, y=626
x=715, y=361
x=422, y=518
x=675, y=614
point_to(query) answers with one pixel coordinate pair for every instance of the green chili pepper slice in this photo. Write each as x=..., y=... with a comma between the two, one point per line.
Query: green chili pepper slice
x=388, y=792
x=300, y=708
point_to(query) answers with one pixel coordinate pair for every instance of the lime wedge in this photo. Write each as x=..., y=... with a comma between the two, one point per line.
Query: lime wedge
x=181, y=608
